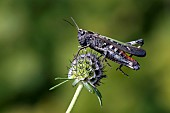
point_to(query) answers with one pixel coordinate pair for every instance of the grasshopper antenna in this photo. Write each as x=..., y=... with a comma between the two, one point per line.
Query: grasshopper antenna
x=74, y=23
x=68, y=22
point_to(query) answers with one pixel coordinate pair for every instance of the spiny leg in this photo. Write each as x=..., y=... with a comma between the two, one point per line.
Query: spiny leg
x=119, y=68
x=104, y=59
x=107, y=62
x=100, y=56
x=139, y=42
x=80, y=48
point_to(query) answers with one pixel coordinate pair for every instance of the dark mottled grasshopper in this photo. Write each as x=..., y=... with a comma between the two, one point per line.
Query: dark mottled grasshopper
x=112, y=49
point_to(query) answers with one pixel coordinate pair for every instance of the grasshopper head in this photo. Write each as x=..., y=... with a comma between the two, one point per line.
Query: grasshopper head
x=82, y=38
x=81, y=34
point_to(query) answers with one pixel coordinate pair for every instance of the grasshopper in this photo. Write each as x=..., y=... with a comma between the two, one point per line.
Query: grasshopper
x=112, y=49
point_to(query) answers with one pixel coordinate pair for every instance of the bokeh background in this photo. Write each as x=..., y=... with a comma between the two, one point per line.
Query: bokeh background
x=36, y=46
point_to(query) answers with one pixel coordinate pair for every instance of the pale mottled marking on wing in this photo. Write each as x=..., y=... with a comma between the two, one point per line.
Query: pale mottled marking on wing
x=111, y=46
x=115, y=50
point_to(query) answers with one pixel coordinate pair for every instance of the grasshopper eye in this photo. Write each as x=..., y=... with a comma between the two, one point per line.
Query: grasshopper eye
x=81, y=32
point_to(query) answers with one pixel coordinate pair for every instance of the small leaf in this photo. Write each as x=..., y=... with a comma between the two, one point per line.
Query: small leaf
x=99, y=95
x=92, y=89
x=88, y=87
x=58, y=84
x=59, y=78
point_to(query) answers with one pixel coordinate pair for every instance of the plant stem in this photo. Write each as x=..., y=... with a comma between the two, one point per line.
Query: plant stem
x=73, y=101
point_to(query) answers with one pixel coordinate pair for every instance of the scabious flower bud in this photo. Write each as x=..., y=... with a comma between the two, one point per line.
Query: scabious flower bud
x=87, y=68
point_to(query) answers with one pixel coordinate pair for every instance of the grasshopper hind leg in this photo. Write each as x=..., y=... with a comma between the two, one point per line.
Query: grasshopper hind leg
x=138, y=42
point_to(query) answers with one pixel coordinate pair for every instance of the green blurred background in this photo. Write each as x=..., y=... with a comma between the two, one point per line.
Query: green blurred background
x=36, y=46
